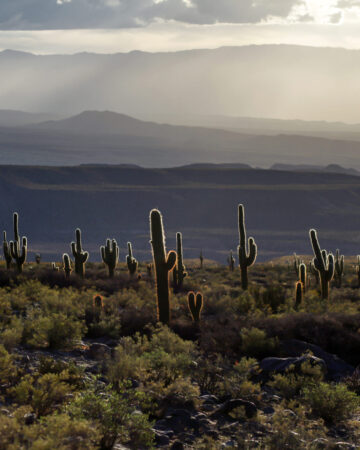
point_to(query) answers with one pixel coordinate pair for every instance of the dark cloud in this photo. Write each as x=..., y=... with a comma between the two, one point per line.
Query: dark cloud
x=65, y=14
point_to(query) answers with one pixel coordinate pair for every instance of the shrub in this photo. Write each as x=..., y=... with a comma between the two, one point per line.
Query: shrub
x=331, y=402
x=255, y=343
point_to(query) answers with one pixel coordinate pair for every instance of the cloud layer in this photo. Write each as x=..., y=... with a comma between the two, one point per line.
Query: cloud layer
x=70, y=14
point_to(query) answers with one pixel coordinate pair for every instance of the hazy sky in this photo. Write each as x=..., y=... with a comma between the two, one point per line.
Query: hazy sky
x=68, y=26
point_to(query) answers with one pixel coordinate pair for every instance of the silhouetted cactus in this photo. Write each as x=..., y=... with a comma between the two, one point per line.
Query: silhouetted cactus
x=246, y=258
x=131, y=261
x=302, y=275
x=7, y=252
x=98, y=301
x=149, y=270
x=79, y=255
x=67, y=267
x=339, y=268
x=231, y=261
x=163, y=264
x=195, y=303
x=358, y=269
x=201, y=259
x=110, y=255
x=54, y=267
x=179, y=270
x=324, y=264
x=297, y=262
x=314, y=272
x=18, y=247
x=38, y=258
x=298, y=294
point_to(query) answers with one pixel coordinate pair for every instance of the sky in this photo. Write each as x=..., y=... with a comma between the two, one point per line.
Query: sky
x=108, y=26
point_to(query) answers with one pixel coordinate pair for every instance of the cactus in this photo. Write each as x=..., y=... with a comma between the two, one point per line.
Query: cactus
x=302, y=275
x=179, y=270
x=195, y=303
x=339, y=268
x=314, y=272
x=67, y=265
x=79, y=255
x=149, y=270
x=98, y=301
x=54, y=267
x=324, y=264
x=163, y=264
x=297, y=263
x=131, y=261
x=201, y=259
x=7, y=253
x=246, y=259
x=38, y=258
x=231, y=261
x=18, y=247
x=110, y=255
x=298, y=294
x=358, y=269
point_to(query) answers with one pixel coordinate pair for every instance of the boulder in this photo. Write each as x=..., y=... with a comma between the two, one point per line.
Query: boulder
x=336, y=367
x=270, y=366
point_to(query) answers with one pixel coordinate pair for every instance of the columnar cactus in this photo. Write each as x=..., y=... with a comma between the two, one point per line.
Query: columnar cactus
x=179, y=270
x=314, y=272
x=38, y=258
x=18, y=247
x=246, y=258
x=201, y=259
x=302, y=275
x=79, y=255
x=231, y=261
x=163, y=264
x=358, y=269
x=195, y=303
x=7, y=253
x=149, y=270
x=339, y=268
x=324, y=264
x=297, y=262
x=67, y=267
x=110, y=255
x=131, y=261
x=54, y=267
x=298, y=294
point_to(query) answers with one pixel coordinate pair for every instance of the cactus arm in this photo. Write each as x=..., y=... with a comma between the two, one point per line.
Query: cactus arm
x=246, y=258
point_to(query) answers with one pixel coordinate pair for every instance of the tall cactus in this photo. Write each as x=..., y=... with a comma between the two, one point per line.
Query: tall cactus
x=357, y=267
x=7, y=253
x=231, y=261
x=195, y=303
x=324, y=264
x=339, y=268
x=298, y=294
x=110, y=255
x=67, y=265
x=201, y=257
x=179, y=270
x=302, y=275
x=314, y=272
x=246, y=258
x=131, y=261
x=163, y=264
x=18, y=247
x=297, y=262
x=79, y=255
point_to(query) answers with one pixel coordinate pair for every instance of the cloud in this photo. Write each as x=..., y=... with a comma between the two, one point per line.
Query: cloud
x=72, y=14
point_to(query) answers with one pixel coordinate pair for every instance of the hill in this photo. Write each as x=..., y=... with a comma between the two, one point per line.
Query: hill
x=111, y=201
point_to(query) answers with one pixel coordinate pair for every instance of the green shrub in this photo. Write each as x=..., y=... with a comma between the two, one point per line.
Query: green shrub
x=255, y=343
x=331, y=402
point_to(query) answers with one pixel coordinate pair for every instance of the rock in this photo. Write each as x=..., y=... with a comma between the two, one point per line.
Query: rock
x=336, y=367
x=227, y=444
x=209, y=399
x=343, y=446
x=268, y=410
x=161, y=438
x=99, y=351
x=272, y=365
x=230, y=405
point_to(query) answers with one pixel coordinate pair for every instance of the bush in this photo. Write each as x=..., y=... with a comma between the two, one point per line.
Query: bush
x=331, y=402
x=255, y=343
